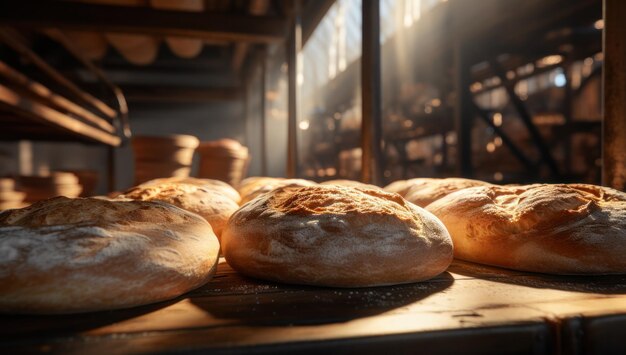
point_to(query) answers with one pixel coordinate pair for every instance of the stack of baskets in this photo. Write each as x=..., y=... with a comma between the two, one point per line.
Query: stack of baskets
x=224, y=159
x=48, y=186
x=165, y=156
x=10, y=197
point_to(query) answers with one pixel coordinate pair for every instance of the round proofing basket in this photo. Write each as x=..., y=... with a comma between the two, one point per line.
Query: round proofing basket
x=226, y=162
x=176, y=149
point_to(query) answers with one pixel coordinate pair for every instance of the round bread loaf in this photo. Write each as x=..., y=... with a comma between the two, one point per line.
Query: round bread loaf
x=556, y=229
x=401, y=187
x=81, y=255
x=350, y=183
x=257, y=187
x=423, y=192
x=221, y=186
x=336, y=236
x=212, y=204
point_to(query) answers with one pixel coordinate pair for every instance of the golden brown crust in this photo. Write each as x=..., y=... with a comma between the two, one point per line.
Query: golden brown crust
x=336, y=236
x=253, y=187
x=560, y=229
x=81, y=255
x=423, y=192
x=350, y=183
x=401, y=187
x=210, y=203
x=221, y=186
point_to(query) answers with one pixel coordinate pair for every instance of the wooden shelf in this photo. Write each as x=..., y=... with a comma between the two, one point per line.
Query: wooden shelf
x=24, y=118
x=470, y=308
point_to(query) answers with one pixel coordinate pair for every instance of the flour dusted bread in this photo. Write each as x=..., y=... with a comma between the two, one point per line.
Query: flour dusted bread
x=80, y=255
x=218, y=185
x=252, y=187
x=335, y=236
x=350, y=183
x=212, y=204
x=559, y=229
x=423, y=192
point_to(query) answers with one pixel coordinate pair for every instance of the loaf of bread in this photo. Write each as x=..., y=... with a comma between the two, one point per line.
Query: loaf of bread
x=252, y=187
x=556, y=229
x=210, y=203
x=350, y=183
x=81, y=255
x=335, y=236
x=218, y=185
x=423, y=192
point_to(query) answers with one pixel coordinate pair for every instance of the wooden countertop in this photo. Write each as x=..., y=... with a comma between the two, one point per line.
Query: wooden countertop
x=470, y=308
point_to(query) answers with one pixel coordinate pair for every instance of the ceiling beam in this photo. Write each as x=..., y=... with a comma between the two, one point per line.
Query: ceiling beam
x=108, y=18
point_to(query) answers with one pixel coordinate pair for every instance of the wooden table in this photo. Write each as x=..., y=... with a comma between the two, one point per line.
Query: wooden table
x=470, y=308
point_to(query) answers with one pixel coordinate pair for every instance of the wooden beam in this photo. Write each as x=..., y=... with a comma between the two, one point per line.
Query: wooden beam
x=35, y=90
x=13, y=102
x=180, y=95
x=614, y=89
x=371, y=125
x=294, y=45
x=13, y=39
x=143, y=20
x=263, y=108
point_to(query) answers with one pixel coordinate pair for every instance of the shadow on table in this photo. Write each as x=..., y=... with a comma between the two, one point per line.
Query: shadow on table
x=13, y=327
x=300, y=305
x=601, y=284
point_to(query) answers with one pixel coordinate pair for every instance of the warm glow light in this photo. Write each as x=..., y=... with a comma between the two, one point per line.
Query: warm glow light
x=588, y=61
x=435, y=102
x=497, y=141
x=428, y=109
x=498, y=176
x=451, y=138
x=497, y=119
x=510, y=75
x=491, y=147
x=304, y=125
x=599, y=56
x=438, y=159
x=476, y=86
x=549, y=60
x=337, y=115
x=407, y=123
x=598, y=25
x=331, y=171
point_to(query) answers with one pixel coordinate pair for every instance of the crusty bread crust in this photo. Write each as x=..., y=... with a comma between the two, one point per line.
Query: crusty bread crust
x=336, y=236
x=221, y=186
x=423, y=192
x=557, y=229
x=210, y=203
x=350, y=183
x=80, y=255
x=253, y=187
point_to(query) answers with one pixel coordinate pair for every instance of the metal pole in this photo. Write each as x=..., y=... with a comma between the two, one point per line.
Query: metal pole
x=294, y=44
x=614, y=92
x=371, y=126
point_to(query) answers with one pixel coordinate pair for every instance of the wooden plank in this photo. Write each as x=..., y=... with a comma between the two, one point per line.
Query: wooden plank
x=12, y=39
x=614, y=90
x=371, y=96
x=12, y=101
x=108, y=18
x=471, y=308
x=42, y=93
